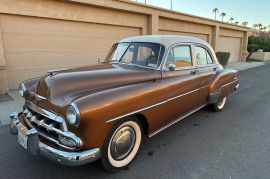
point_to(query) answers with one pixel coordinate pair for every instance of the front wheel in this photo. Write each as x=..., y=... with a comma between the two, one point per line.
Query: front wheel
x=121, y=145
x=218, y=106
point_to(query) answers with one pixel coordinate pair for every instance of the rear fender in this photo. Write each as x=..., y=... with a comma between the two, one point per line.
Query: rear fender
x=224, y=83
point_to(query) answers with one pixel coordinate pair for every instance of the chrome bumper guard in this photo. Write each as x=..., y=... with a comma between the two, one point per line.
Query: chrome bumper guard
x=237, y=87
x=36, y=147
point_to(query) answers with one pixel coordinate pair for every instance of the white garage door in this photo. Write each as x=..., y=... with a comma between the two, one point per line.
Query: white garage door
x=232, y=45
x=34, y=45
x=200, y=36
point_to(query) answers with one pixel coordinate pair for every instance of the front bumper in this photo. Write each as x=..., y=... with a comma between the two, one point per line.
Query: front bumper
x=36, y=147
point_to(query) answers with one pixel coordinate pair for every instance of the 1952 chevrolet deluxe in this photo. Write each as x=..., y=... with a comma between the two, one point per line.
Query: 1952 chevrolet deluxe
x=146, y=84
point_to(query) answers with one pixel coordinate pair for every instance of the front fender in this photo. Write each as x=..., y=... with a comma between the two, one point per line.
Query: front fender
x=99, y=111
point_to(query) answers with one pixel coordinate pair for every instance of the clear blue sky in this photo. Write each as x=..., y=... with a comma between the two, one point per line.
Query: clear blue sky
x=241, y=10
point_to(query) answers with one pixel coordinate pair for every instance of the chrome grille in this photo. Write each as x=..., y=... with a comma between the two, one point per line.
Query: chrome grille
x=50, y=127
x=44, y=124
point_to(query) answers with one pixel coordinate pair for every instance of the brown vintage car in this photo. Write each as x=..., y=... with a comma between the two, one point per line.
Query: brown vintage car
x=146, y=84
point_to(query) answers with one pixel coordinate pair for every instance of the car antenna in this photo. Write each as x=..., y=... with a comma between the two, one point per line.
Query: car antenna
x=158, y=57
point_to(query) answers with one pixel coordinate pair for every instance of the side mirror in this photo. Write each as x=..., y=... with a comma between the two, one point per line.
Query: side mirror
x=171, y=67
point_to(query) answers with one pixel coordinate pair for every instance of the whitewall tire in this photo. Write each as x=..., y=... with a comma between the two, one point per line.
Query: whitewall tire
x=121, y=145
x=218, y=106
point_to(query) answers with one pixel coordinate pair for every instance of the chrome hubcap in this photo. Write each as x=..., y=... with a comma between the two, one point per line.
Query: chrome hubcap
x=123, y=143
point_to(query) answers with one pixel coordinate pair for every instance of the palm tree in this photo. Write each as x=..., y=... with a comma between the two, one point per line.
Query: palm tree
x=236, y=23
x=245, y=23
x=260, y=26
x=215, y=11
x=264, y=28
x=231, y=19
x=255, y=26
x=222, y=15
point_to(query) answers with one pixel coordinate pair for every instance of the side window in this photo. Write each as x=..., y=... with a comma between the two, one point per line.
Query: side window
x=209, y=58
x=202, y=56
x=180, y=56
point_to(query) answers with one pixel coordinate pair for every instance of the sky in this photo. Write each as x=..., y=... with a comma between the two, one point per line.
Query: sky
x=241, y=10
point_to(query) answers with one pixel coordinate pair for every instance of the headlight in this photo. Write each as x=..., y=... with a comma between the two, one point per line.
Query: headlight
x=22, y=90
x=73, y=114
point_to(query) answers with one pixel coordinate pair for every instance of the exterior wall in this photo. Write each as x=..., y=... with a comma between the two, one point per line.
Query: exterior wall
x=178, y=27
x=44, y=34
x=3, y=71
x=264, y=56
x=236, y=36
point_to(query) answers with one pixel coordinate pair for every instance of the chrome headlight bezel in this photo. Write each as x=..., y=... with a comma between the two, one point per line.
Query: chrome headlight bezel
x=22, y=90
x=73, y=115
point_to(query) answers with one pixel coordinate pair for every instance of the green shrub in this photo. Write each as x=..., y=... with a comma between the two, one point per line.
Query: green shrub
x=256, y=43
x=253, y=47
x=223, y=58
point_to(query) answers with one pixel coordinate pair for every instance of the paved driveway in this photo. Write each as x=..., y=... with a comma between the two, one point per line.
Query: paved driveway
x=234, y=143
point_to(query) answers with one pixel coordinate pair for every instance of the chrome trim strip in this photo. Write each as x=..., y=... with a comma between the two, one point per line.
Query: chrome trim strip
x=175, y=121
x=207, y=86
x=29, y=119
x=229, y=83
x=149, y=107
x=78, y=113
x=47, y=114
x=183, y=95
x=38, y=97
x=36, y=147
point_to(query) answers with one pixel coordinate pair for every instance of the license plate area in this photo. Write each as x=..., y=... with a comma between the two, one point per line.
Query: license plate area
x=22, y=139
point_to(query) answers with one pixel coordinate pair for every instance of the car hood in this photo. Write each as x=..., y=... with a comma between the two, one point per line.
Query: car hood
x=55, y=91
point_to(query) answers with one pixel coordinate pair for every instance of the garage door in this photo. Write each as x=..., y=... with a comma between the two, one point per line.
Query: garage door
x=232, y=45
x=34, y=45
x=200, y=36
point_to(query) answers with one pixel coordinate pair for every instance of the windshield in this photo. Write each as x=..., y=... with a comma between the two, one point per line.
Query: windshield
x=137, y=53
x=117, y=52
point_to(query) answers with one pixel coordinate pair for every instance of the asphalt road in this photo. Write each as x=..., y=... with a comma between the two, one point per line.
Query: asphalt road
x=234, y=143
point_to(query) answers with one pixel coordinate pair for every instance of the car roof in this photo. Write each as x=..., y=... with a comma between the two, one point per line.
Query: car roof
x=166, y=40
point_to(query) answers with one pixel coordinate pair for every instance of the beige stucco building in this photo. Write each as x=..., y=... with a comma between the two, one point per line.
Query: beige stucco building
x=37, y=35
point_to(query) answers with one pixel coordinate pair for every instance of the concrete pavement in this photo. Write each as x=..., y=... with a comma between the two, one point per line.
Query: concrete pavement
x=15, y=104
x=233, y=143
x=239, y=66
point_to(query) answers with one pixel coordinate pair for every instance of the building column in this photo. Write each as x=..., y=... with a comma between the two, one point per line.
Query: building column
x=153, y=24
x=244, y=47
x=3, y=66
x=215, y=37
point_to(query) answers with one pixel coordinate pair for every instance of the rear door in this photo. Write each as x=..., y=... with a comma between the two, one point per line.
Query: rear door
x=183, y=83
x=206, y=70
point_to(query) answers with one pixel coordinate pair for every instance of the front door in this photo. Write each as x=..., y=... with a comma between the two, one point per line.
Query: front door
x=182, y=82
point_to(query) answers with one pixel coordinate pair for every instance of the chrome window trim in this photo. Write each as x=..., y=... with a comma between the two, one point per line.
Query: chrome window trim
x=47, y=114
x=131, y=64
x=151, y=106
x=208, y=51
x=208, y=65
x=163, y=68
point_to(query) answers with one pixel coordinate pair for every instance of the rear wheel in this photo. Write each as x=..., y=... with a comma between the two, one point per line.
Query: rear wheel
x=218, y=106
x=121, y=145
